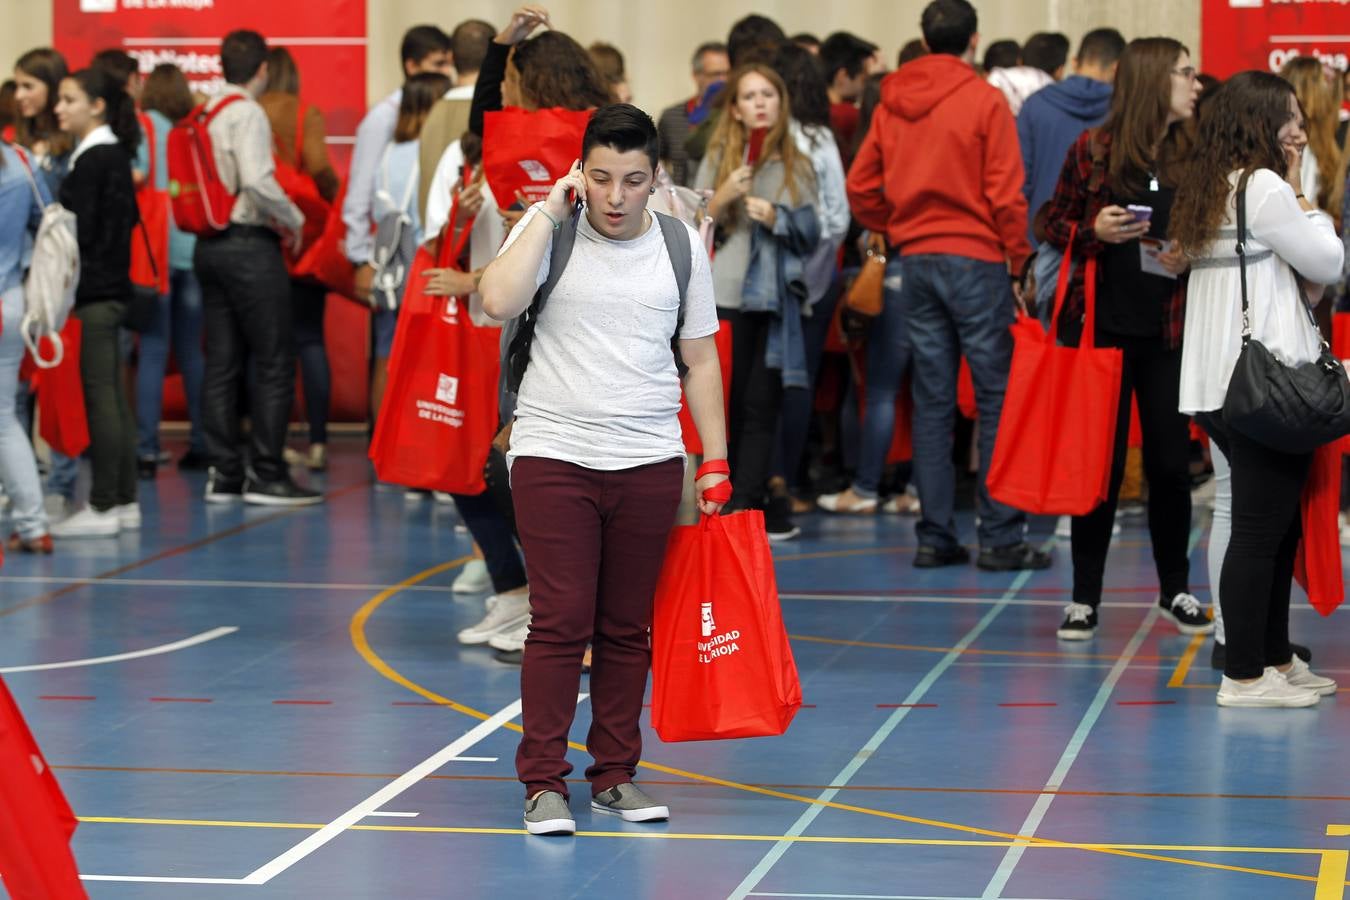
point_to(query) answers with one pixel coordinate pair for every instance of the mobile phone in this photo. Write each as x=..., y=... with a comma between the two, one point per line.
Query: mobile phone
x=755, y=145
x=1140, y=213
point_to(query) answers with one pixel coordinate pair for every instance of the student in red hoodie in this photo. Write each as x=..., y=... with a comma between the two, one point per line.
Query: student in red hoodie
x=940, y=175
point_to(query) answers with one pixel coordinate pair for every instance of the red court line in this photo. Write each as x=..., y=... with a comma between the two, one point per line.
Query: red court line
x=62, y=697
x=963, y=592
x=1026, y=705
x=180, y=700
x=906, y=706
x=168, y=554
x=303, y=702
x=1145, y=702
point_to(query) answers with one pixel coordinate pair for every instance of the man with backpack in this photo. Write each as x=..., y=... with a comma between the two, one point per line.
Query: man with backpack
x=596, y=452
x=246, y=291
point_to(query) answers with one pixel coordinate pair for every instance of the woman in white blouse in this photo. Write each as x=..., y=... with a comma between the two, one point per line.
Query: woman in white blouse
x=1253, y=127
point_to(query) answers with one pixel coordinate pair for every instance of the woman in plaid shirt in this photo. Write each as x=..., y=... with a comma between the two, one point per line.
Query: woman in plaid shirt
x=1139, y=290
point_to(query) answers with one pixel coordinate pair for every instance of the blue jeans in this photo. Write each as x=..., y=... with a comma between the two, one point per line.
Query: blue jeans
x=955, y=305
x=178, y=320
x=18, y=468
x=888, y=357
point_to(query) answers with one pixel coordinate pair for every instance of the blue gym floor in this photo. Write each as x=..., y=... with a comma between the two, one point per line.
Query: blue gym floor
x=286, y=713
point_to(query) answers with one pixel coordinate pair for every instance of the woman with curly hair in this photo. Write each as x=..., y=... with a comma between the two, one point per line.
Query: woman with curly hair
x=1251, y=148
x=1323, y=161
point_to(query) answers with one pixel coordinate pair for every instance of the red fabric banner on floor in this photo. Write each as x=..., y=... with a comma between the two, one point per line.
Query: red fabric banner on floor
x=36, y=823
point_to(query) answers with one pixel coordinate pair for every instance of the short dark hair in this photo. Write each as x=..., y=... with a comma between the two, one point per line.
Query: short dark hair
x=752, y=31
x=805, y=39
x=623, y=127
x=696, y=61
x=1102, y=46
x=849, y=52
x=421, y=41
x=1002, y=55
x=948, y=26
x=117, y=63
x=804, y=75
x=242, y=53
x=911, y=51
x=469, y=44
x=1047, y=51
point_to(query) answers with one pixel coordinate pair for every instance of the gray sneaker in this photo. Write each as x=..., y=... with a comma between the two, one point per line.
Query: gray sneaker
x=548, y=813
x=627, y=801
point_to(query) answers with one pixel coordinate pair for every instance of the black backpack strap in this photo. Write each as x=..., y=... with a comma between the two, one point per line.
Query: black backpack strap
x=517, y=355
x=680, y=251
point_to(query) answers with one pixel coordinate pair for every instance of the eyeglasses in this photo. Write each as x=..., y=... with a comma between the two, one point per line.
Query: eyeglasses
x=1188, y=73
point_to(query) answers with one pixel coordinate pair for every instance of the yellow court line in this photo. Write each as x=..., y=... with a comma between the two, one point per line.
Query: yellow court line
x=1338, y=830
x=1331, y=875
x=1183, y=669
x=699, y=836
x=362, y=646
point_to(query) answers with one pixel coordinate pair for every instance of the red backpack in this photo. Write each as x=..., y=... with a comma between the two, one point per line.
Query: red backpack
x=201, y=202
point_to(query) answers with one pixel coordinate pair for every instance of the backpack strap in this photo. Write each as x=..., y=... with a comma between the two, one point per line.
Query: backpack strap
x=32, y=181
x=680, y=251
x=300, y=110
x=518, y=351
x=209, y=112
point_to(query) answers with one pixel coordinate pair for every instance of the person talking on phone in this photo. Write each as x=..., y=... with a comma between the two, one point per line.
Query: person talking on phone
x=1116, y=190
x=765, y=206
x=597, y=458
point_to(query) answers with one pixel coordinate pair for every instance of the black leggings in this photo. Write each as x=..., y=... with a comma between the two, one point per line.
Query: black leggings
x=756, y=404
x=1259, y=565
x=1153, y=374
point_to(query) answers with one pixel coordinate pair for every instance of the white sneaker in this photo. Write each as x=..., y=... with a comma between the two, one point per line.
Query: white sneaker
x=56, y=506
x=128, y=515
x=443, y=498
x=505, y=613
x=1064, y=527
x=511, y=640
x=1271, y=690
x=1301, y=676
x=474, y=579
x=88, y=522
x=855, y=504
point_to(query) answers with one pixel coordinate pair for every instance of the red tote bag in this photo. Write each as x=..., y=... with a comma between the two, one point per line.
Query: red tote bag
x=150, y=254
x=325, y=260
x=527, y=152
x=1056, y=434
x=721, y=663
x=1318, y=564
x=36, y=823
x=62, y=421
x=300, y=186
x=439, y=413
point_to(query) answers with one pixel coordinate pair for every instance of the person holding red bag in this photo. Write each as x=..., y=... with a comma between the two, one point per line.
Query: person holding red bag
x=1116, y=190
x=597, y=456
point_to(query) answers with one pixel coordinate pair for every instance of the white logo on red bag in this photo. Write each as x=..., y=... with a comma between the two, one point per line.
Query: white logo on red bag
x=706, y=620
x=451, y=314
x=98, y=6
x=714, y=645
x=447, y=389
x=536, y=170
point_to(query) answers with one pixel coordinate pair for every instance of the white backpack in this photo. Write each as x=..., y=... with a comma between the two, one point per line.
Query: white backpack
x=53, y=274
x=395, y=240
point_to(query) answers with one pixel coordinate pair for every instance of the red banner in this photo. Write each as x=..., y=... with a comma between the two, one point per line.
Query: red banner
x=1265, y=34
x=326, y=37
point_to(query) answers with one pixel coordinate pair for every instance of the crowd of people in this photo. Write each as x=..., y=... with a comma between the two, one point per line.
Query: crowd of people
x=966, y=187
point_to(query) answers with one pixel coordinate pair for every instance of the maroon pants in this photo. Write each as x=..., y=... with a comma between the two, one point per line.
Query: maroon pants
x=594, y=543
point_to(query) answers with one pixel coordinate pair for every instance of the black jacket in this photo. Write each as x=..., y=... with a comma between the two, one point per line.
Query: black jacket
x=100, y=193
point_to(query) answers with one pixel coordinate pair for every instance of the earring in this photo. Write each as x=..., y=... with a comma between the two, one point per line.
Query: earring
x=652, y=191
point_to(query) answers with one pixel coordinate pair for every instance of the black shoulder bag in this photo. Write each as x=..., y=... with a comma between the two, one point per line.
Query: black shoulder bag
x=1293, y=409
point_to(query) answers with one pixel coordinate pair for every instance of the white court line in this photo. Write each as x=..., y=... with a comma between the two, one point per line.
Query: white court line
x=866, y=896
x=1075, y=746
x=151, y=879
x=494, y=759
x=758, y=873
x=384, y=795
x=396, y=815
x=123, y=657
x=1066, y=760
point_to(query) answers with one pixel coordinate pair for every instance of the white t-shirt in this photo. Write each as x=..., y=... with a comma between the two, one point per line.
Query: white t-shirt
x=1303, y=242
x=601, y=390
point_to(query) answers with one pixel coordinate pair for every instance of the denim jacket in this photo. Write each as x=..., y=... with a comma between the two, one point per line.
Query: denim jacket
x=19, y=216
x=775, y=282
